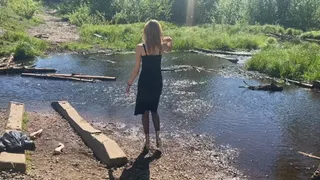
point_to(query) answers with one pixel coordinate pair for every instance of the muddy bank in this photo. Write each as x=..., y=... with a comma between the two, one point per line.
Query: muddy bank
x=184, y=156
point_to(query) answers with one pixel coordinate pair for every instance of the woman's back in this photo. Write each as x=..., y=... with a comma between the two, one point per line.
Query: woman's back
x=151, y=75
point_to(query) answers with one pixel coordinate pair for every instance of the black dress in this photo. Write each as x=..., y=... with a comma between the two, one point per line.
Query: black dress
x=149, y=84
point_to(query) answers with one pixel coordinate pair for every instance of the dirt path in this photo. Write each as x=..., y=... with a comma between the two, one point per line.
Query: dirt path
x=57, y=30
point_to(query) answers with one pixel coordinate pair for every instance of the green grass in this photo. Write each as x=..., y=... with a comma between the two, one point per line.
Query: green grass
x=127, y=36
x=299, y=62
x=15, y=17
x=25, y=120
x=22, y=45
x=294, y=32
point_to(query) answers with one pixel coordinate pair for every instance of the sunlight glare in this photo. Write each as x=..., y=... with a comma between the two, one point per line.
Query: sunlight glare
x=190, y=12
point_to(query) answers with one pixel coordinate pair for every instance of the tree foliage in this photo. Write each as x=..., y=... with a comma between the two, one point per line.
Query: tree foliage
x=302, y=14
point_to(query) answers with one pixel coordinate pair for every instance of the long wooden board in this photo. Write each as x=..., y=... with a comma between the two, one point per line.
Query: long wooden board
x=83, y=76
x=26, y=70
x=224, y=52
x=47, y=76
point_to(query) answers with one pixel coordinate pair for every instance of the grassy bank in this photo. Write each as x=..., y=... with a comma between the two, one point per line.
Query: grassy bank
x=15, y=17
x=208, y=36
x=296, y=60
x=127, y=36
x=300, y=62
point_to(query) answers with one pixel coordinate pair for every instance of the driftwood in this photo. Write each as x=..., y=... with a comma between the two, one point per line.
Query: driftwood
x=186, y=68
x=6, y=61
x=268, y=87
x=83, y=76
x=99, y=36
x=233, y=60
x=36, y=135
x=40, y=36
x=301, y=84
x=316, y=174
x=19, y=70
x=224, y=52
x=59, y=149
x=53, y=77
x=113, y=62
x=309, y=155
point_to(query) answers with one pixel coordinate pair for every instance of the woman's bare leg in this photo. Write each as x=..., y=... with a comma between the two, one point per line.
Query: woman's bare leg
x=145, y=123
x=156, y=123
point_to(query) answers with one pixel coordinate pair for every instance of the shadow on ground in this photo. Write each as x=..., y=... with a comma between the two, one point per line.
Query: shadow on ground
x=139, y=170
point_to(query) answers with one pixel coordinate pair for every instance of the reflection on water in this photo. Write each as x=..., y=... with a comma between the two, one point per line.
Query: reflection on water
x=268, y=128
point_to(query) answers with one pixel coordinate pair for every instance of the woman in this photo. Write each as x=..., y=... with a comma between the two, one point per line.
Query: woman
x=150, y=79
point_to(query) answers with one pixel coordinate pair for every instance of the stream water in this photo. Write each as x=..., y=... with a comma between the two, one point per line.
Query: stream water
x=267, y=128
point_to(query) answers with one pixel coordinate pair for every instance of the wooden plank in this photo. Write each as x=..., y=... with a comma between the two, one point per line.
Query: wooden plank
x=83, y=76
x=47, y=76
x=301, y=84
x=224, y=52
x=309, y=155
x=232, y=60
x=15, y=116
x=14, y=161
x=20, y=70
x=104, y=148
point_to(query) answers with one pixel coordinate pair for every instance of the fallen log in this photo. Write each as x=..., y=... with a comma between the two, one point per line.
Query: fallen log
x=19, y=70
x=268, y=87
x=301, y=84
x=53, y=77
x=233, y=60
x=309, y=155
x=224, y=52
x=83, y=76
x=40, y=36
x=186, y=68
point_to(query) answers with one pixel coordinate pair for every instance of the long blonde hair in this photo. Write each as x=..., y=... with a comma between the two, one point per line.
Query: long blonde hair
x=152, y=35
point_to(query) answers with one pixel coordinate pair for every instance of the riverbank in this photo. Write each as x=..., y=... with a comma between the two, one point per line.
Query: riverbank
x=284, y=53
x=185, y=156
x=277, y=56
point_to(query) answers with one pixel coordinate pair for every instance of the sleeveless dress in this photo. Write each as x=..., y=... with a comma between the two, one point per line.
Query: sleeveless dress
x=149, y=84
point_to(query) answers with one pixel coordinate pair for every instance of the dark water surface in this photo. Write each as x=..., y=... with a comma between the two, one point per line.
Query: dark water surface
x=267, y=128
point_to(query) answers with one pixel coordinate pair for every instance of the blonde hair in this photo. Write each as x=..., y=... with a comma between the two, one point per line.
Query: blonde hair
x=152, y=35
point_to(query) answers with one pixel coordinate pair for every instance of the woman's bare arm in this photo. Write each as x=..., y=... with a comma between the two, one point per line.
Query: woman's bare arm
x=167, y=44
x=137, y=65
